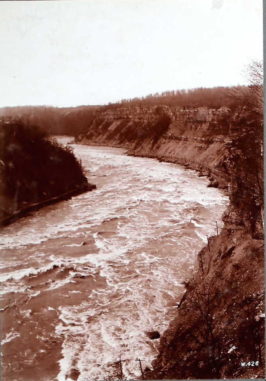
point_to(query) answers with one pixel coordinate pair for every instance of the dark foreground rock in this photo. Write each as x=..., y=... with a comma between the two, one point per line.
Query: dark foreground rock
x=35, y=171
x=153, y=335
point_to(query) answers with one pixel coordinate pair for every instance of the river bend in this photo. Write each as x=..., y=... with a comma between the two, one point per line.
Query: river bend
x=83, y=280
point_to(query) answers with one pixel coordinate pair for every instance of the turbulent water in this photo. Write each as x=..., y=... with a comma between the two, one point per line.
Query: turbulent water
x=84, y=280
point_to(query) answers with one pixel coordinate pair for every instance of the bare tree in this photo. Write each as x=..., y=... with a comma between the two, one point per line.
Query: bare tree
x=255, y=76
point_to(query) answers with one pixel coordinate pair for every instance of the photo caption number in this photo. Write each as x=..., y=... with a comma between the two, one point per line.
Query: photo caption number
x=249, y=363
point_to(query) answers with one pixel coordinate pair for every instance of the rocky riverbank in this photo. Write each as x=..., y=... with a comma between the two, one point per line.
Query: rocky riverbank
x=219, y=328
x=15, y=214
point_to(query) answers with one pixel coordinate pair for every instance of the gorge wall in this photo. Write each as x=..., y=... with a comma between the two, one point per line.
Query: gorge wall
x=34, y=171
x=198, y=138
x=219, y=328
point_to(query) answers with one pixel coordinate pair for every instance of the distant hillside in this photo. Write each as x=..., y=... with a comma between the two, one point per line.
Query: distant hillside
x=52, y=120
x=76, y=120
x=34, y=170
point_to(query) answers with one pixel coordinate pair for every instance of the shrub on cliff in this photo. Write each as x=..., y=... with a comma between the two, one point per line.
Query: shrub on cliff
x=161, y=126
x=33, y=168
x=155, y=128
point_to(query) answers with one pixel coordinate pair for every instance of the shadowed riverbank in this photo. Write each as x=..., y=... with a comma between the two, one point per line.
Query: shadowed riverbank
x=35, y=171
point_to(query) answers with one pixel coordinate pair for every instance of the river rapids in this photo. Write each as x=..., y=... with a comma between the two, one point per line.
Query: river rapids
x=84, y=280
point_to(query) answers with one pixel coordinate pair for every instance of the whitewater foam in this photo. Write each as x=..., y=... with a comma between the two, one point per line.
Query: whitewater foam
x=142, y=228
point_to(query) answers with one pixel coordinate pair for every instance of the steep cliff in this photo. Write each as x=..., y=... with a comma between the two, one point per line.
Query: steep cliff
x=34, y=171
x=219, y=328
x=198, y=138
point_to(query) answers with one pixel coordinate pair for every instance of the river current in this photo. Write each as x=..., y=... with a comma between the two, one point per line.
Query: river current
x=84, y=280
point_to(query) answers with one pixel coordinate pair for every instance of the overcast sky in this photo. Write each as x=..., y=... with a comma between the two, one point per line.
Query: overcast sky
x=68, y=53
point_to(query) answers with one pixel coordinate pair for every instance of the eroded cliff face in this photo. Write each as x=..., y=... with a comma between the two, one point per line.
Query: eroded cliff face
x=194, y=137
x=219, y=328
x=197, y=138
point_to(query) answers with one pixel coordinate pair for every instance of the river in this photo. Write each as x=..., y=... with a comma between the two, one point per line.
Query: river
x=84, y=280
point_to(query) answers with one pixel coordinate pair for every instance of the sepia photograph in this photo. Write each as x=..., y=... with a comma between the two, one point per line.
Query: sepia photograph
x=131, y=190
